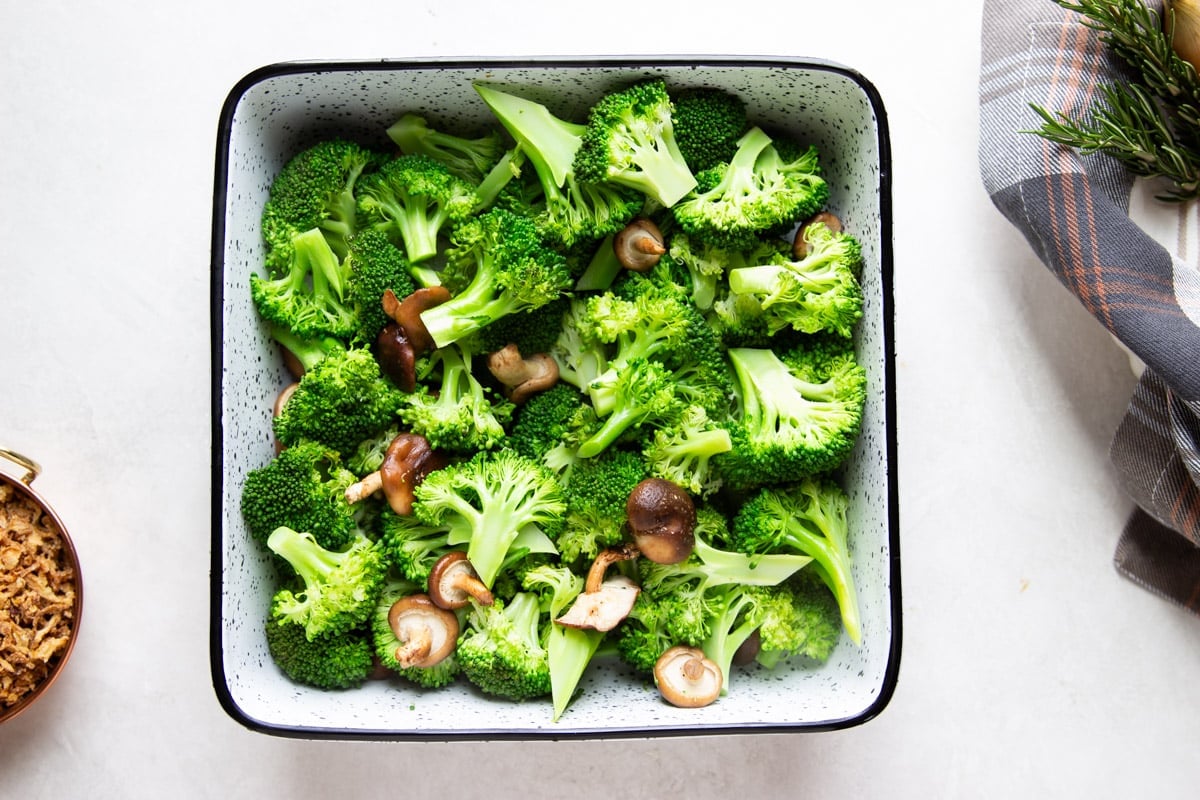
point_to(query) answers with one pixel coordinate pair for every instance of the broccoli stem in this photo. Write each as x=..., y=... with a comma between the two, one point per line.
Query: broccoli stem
x=616, y=423
x=468, y=311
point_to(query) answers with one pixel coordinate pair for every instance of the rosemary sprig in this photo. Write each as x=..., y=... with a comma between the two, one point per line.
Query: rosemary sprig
x=1151, y=123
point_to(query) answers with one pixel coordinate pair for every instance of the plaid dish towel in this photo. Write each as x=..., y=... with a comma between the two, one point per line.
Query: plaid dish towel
x=1131, y=260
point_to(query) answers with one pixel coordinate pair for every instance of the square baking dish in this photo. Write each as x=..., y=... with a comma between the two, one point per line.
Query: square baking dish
x=275, y=111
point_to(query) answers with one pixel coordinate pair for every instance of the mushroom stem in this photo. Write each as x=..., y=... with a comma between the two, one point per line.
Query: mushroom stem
x=522, y=376
x=416, y=648
x=607, y=557
x=369, y=485
x=639, y=245
x=465, y=582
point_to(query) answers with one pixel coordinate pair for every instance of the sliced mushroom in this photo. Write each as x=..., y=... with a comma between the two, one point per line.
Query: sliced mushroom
x=409, y=458
x=396, y=357
x=687, y=678
x=522, y=377
x=799, y=246
x=639, y=245
x=427, y=634
x=604, y=602
x=407, y=313
x=453, y=582
x=662, y=519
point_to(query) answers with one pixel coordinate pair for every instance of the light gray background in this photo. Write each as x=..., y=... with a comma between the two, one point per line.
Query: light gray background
x=1029, y=667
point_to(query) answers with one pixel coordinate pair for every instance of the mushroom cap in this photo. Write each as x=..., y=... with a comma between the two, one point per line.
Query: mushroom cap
x=453, y=582
x=396, y=356
x=687, y=678
x=522, y=376
x=428, y=633
x=603, y=609
x=639, y=245
x=409, y=458
x=407, y=313
x=662, y=519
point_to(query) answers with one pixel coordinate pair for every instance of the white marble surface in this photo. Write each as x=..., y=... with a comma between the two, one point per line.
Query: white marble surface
x=1029, y=667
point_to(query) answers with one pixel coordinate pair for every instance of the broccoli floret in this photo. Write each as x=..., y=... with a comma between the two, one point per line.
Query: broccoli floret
x=754, y=193
x=385, y=644
x=532, y=331
x=337, y=661
x=596, y=491
x=797, y=412
x=629, y=139
x=810, y=518
x=708, y=123
x=342, y=401
x=309, y=299
x=502, y=651
x=468, y=158
x=336, y=590
x=644, y=392
x=819, y=292
x=303, y=487
x=697, y=601
x=495, y=502
x=799, y=618
x=569, y=210
x=682, y=451
x=317, y=188
x=498, y=265
x=580, y=357
x=374, y=265
x=414, y=198
x=551, y=425
x=411, y=546
x=568, y=650
x=451, y=407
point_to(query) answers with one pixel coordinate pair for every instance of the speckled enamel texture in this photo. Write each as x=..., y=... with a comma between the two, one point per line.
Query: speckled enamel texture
x=275, y=111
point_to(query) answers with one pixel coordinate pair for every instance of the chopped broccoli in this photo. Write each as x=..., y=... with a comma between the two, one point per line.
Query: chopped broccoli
x=580, y=357
x=411, y=546
x=494, y=502
x=798, y=412
x=336, y=589
x=551, y=425
x=532, y=331
x=309, y=299
x=799, y=618
x=470, y=159
x=644, y=392
x=708, y=123
x=498, y=265
x=303, y=487
x=568, y=650
x=809, y=517
x=342, y=401
x=682, y=451
x=819, y=292
x=501, y=650
x=385, y=644
x=451, y=407
x=753, y=194
x=596, y=491
x=569, y=210
x=337, y=661
x=629, y=139
x=414, y=198
x=374, y=265
x=316, y=189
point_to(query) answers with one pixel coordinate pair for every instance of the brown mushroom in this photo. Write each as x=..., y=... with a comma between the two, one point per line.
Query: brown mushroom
x=687, y=678
x=639, y=245
x=604, y=602
x=427, y=634
x=662, y=519
x=453, y=582
x=407, y=313
x=409, y=458
x=280, y=401
x=799, y=245
x=396, y=357
x=522, y=377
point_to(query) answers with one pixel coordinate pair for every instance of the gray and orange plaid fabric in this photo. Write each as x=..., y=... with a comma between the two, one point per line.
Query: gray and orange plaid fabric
x=1075, y=213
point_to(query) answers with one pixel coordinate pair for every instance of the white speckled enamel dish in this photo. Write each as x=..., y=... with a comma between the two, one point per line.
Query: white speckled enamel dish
x=275, y=111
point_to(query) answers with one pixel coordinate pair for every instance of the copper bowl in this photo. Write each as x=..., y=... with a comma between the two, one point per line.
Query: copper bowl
x=23, y=490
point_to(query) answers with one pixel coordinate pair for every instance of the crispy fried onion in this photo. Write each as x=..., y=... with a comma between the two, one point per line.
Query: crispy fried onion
x=37, y=595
